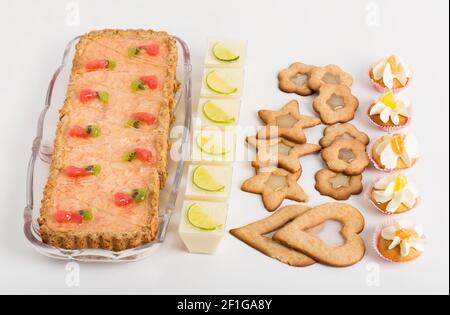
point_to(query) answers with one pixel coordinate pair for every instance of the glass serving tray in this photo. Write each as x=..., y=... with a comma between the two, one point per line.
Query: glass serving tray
x=38, y=167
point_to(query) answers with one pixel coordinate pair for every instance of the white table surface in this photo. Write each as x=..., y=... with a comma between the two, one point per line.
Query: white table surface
x=352, y=34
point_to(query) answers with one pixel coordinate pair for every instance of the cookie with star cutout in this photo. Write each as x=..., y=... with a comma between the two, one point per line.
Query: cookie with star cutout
x=287, y=123
x=275, y=186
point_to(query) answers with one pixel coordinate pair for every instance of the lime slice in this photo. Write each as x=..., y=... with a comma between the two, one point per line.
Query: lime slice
x=215, y=114
x=198, y=218
x=210, y=146
x=203, y=180
x=224, y=54
x=219, y=85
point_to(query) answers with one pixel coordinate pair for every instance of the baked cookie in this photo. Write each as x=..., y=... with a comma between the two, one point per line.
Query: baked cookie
x=346, y=156
x=253, y=235
x=390, y=73
x=331, y=75
x=280, y=152
x=295, y=79
x=343, y=131
x=390, y=112
x=287, y=123
x=338, y=185
x=295, y=235
x=400, y=241
x=394, y=194
x=275, y=186
x=335, y=104
x=394, y=152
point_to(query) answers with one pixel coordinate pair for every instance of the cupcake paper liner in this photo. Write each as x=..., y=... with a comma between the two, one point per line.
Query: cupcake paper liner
x=383, y=89
x=386, y=170
x=368, y=196
x=391, y=129
x=376, y=237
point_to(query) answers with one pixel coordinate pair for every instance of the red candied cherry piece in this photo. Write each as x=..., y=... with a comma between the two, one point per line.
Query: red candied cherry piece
x=147, y=118
x=151, y=49
x=76, y=172
x=122, y=199
x=79, y=132
x=96, y=65
x=143, y=155
x=87, y=95
x=151, y=81
x=68, y=217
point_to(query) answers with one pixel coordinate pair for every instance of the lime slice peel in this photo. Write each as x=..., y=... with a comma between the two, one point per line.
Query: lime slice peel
x=219, y=85
x=216, y=114
x=203, y=180
x=224, y=54
x=199, y=219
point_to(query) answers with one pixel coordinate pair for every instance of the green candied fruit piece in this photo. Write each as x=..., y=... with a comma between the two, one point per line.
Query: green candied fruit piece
x=133, y=52
x=93, y=130
x=133, y=124
x=137, y=85
x=112, y=65
x=129, y=157
x=94, y=169
x=139, y=195
x=103, y=97
x=87, y=214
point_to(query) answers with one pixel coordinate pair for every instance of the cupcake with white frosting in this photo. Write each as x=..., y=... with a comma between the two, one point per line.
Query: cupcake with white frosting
x=394, y=194
x=390, y=112
x=400, y=241
x=390, y=73
x=395, y=152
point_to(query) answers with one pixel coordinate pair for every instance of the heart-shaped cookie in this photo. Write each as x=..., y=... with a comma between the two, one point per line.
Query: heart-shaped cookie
x=295, y=235
x=253, y=235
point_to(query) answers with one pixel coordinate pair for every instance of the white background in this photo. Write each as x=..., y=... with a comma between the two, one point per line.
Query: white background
x=351, y=33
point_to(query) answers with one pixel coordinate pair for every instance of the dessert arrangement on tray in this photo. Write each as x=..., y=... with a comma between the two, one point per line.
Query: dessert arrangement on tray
x=209, y=180
x=111, y=158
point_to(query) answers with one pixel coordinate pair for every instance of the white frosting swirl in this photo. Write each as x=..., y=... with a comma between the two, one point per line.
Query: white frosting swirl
x=406, y=236
x=395, y=190
x=391, y=107
x=390, y=154
x=383, y=71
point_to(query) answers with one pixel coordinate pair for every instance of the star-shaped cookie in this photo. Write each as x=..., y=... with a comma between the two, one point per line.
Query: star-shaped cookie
x=287, y=123
x=275, y=186
x=281, y=153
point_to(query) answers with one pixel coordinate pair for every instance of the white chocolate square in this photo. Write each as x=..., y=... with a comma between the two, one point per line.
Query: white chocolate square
x=238, y=47
x=233, y=77
x=221, y=174
x=223, y=139
x=231, y=107
x=201, y=241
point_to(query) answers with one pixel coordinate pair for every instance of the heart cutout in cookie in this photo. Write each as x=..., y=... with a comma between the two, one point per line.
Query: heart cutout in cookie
x=254, y=235
x=295, y=235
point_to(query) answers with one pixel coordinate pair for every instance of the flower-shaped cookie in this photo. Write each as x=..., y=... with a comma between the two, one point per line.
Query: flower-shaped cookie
x=286, y=123
x=338, y=185
x=346, y=156
x=331, y=74
x=335, y=104
x=343, y=131
x=275, y=186
x=390, y=73
x=280, y=152
x=394, y=194
x=295, y=79
x=390, y=112
x=400, y=241
x=395, y=152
